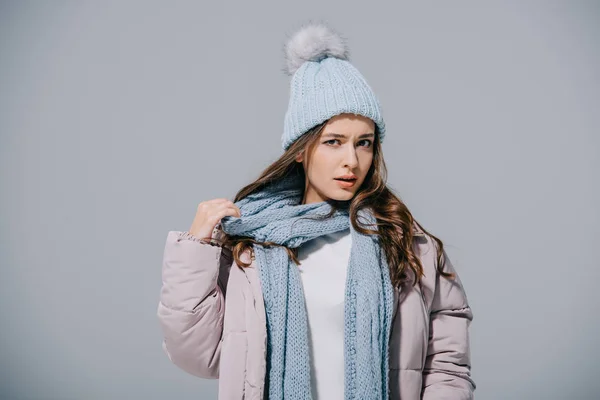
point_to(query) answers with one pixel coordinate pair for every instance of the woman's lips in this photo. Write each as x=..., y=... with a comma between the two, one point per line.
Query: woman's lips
x=343, y=183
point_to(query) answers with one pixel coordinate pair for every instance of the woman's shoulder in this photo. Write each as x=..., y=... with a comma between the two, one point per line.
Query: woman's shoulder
x=426, y=248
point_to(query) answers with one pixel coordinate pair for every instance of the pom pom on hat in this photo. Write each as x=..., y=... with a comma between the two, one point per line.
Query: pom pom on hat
x=313, y=42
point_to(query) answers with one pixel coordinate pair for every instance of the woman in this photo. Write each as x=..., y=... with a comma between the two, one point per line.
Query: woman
x=337, y=292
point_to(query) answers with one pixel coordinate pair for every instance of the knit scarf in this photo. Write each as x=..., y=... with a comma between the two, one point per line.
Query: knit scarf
x=275, y=214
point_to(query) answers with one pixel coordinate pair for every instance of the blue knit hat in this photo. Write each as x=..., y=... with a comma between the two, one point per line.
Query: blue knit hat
x=324, y=83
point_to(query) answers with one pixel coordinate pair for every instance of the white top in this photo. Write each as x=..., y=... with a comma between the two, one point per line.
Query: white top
x=323, y=273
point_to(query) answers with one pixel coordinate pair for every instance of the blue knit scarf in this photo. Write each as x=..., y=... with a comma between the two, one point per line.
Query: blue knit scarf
x=275, y=214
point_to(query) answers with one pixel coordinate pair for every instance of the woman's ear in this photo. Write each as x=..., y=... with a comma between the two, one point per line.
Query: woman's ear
x=300, y=156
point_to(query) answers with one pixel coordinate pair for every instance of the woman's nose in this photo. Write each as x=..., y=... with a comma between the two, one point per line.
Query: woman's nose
x=350, y=158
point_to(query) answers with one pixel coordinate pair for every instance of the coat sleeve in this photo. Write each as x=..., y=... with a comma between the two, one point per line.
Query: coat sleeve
x=192, y=303
x=447, y=370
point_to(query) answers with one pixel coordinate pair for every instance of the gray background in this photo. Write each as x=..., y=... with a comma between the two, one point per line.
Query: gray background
x=118, y=118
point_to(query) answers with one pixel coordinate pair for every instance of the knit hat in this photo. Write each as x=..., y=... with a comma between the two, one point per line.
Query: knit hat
x=324, y=83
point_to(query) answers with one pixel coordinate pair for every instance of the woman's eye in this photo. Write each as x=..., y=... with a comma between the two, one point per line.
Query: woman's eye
x=336, y=140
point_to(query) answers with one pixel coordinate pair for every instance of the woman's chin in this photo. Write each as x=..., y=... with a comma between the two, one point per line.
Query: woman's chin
x=342, y=194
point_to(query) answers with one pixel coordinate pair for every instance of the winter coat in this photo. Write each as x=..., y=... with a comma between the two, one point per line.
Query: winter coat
x=212, y=316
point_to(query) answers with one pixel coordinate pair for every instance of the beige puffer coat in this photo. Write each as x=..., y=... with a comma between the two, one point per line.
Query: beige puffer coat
x=213, y=321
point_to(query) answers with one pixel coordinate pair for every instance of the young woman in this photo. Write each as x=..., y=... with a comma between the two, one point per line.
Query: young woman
x=316, y=282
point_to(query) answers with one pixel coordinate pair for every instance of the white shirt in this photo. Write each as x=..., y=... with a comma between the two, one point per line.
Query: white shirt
x=323, y=273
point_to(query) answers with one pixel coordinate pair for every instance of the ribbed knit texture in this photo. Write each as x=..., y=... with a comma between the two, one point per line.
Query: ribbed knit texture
x=275, y=214
x=322, y=89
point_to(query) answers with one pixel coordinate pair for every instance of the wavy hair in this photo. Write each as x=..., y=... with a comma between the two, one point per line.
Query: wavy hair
x=394, y=220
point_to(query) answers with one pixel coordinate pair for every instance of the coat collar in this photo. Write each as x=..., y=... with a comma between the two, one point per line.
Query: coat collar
x=417, y=231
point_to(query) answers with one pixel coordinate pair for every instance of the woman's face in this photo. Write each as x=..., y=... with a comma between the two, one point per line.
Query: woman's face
x=345, y=147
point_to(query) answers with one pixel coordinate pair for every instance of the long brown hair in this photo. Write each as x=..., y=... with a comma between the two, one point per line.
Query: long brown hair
x=394, y=220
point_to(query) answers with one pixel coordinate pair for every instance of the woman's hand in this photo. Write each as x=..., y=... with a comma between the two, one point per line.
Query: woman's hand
x=209, y=214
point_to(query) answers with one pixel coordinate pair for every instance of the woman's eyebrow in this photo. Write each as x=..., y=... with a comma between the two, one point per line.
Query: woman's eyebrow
x=339, y=135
